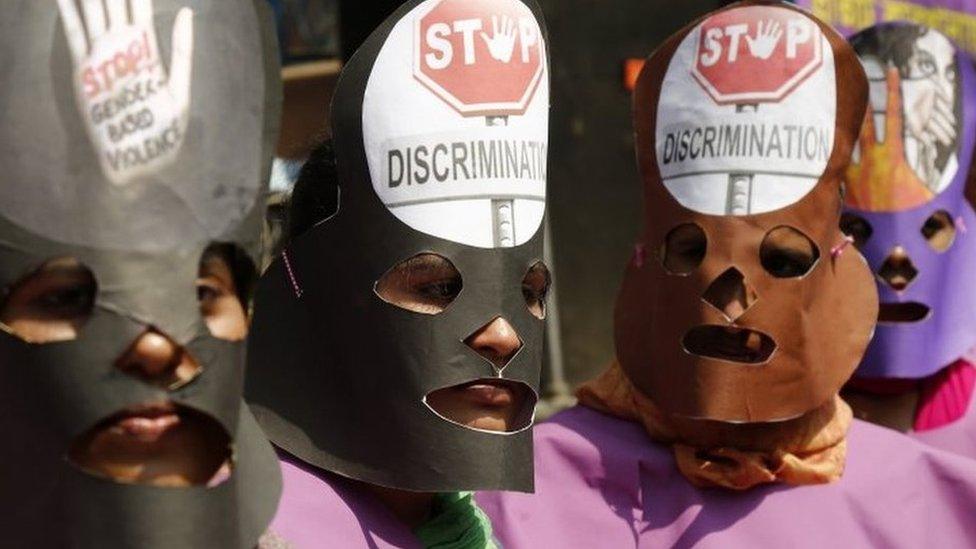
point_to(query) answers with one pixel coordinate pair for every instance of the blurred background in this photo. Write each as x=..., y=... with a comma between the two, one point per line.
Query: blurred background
x=596, y=49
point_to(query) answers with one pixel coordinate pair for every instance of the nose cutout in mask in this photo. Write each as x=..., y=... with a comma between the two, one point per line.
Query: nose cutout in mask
x=730, y=294
x=497, y=342
x=156, y=359
x=898, y=271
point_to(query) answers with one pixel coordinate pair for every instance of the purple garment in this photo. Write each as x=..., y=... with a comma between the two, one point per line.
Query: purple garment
x=322, y=510
x=958, y=437
x=601, y=482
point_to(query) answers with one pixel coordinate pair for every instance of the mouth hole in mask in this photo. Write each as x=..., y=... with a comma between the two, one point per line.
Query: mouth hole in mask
x=50, y=304
x=903, y=313
x=729, y=343
x=426, y=283
x=225, y=279
x=939, y=231
x=490, y=405
x=161, y=444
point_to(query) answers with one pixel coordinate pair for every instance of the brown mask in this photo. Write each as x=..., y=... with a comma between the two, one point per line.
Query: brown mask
x=747, y=306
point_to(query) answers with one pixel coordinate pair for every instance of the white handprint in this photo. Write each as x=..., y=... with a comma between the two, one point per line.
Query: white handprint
x=501, y=45
x=136, y=115
x=764, y=43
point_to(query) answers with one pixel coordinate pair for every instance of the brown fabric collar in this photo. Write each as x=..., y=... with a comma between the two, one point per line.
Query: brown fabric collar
x=811, y=449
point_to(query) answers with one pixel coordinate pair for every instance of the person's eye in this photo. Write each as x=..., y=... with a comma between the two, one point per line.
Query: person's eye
x=939, y=231
x=950, y=73
x=425, y=283
x=222, y=306
x=787, y=253
x=857, y=228
x=786, y=264
x=445, y=290
x=927, y=67
x=923, y=66
x=67, y=300
x=535, y=288
x=207, y=293
x=684, y=249
x=50, y=304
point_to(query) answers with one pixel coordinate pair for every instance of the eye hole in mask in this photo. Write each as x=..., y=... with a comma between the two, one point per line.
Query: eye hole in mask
x=225, y=278
x=684, y=249
x=426, y=283
x=939, y=231
x=535, y=288
x=52, y=303
x=857, y=228
x=787, y=253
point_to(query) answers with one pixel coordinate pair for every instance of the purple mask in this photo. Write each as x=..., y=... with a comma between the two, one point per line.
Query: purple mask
x=906, y=203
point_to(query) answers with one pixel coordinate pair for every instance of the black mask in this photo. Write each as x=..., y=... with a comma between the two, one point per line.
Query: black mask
x=342, y=372
x=134, y=140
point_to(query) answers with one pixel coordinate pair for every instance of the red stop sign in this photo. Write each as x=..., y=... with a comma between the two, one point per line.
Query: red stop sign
x=483, y=57
x=756, y=54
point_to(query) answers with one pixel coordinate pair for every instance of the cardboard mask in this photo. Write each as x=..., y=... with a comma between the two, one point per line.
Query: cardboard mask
x=907, y=204
x=440, y=132
x=738, y=311
x=134, y=139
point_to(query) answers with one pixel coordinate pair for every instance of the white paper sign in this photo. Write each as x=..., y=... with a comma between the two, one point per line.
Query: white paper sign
x=455, y=122
x=747, y=112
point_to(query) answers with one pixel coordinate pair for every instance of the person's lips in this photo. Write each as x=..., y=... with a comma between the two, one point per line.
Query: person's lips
x=489, y=393
x=147, y=424
x=903, y=313
x=490, y=404
x=730, y=343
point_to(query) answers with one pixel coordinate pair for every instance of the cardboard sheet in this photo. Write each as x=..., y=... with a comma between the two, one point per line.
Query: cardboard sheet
x=337, y=376
x=135, y=139
x=744, y=335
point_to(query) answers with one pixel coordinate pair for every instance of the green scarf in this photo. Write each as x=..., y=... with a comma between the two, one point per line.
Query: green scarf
x=456, y=522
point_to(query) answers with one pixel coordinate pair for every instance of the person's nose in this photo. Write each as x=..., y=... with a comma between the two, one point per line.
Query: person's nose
x=730, y=294
x=496, y=341
x=898, y=271
x=157, y=359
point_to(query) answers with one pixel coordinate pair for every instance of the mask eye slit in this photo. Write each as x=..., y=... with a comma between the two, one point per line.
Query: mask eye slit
x=684, y=249
x=426, y=283
x=786, y=252
x=939, y=230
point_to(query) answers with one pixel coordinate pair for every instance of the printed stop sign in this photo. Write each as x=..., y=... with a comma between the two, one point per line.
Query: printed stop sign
x=483, y=57
x=756, y=55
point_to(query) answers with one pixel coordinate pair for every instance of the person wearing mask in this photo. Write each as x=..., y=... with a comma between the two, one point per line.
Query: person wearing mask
x=395, y=354
x=916, y=376
x=740, y=317
x=133, y=192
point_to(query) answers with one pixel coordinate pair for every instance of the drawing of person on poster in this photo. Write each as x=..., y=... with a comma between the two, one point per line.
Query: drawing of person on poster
x=918, y=71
